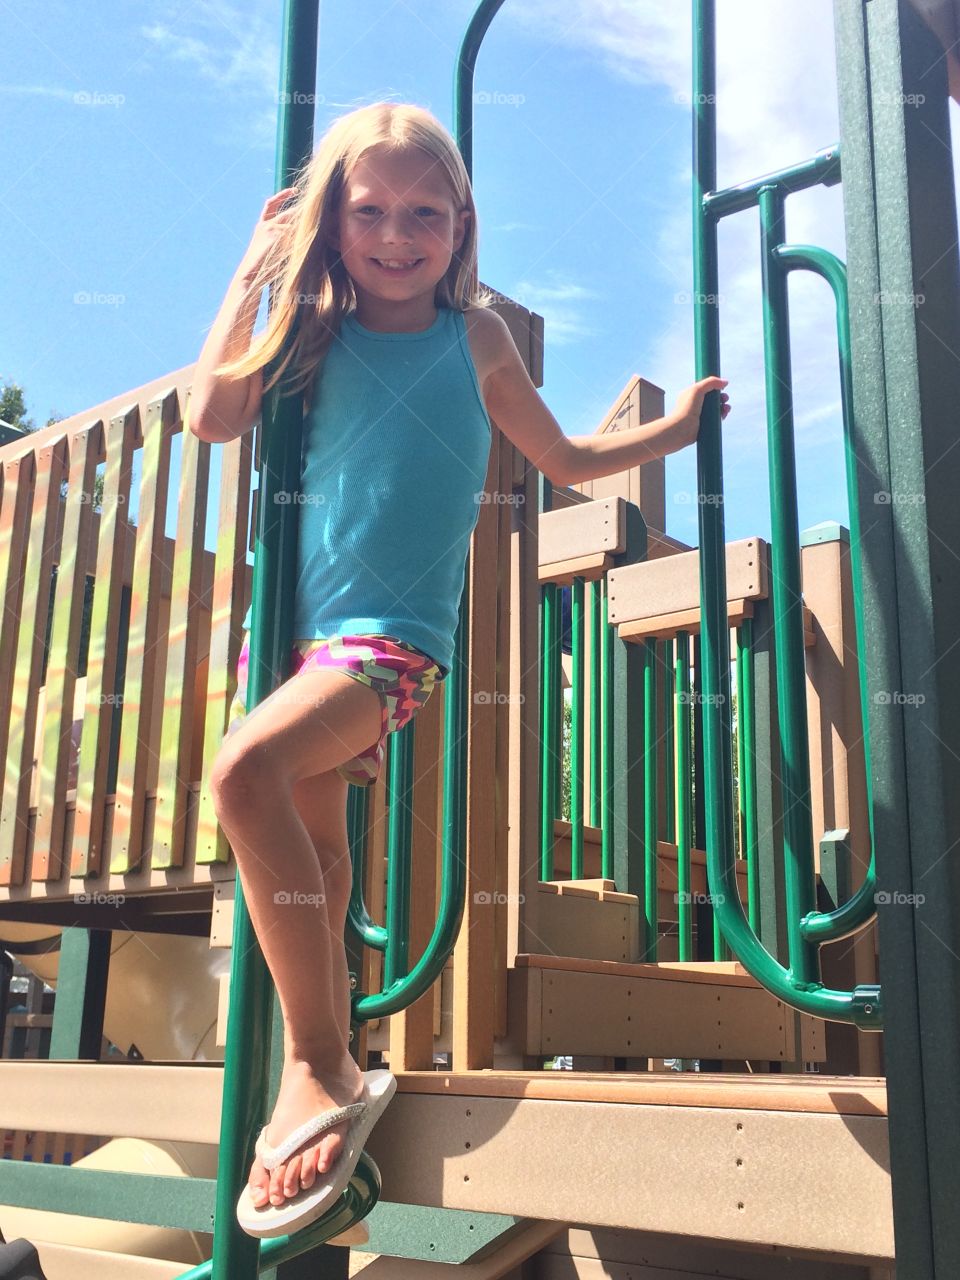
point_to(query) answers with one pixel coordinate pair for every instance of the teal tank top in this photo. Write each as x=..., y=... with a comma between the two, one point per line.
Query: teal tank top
x=394, y=459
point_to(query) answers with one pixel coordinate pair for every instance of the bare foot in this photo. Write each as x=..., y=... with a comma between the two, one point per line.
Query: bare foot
x=305, y=1091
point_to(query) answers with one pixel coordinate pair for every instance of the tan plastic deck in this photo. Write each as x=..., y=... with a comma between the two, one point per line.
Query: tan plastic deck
x=787, y=1161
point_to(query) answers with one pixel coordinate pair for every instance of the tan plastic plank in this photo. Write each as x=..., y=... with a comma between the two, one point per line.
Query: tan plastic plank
x=585, y=529
x=672, y=584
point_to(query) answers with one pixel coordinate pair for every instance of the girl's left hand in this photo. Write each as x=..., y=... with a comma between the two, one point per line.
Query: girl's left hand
x=686, y=413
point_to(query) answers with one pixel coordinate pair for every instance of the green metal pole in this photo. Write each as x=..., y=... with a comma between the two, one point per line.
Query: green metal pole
x=850, y=915
x=606, y=836
x=576, y=732
x=596, y=655
x=748, y=774
x=799, y=873
x=246, y=1058
x=549, y=686
x=683, y=807
x=667, y=677
x=650, y=797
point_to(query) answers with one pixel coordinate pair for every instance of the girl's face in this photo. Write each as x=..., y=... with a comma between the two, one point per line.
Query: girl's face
x=397, y=207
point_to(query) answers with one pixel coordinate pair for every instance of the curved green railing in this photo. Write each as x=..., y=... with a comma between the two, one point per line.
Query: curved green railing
x=820, y=926
x=800, y=984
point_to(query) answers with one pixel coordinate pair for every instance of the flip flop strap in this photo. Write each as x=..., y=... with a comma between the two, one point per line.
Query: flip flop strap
x=272, y=1156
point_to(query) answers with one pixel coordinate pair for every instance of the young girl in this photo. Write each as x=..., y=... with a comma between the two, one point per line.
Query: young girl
x=379, y=320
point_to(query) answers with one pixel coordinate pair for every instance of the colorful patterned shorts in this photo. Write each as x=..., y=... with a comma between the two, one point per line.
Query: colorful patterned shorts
x=402, y=675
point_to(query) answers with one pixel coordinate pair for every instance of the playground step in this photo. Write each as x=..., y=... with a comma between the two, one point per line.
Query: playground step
x=514, y=1142
x=49, y=1096
x=568, y=1005
x=71, y=1262
x=503, y=1264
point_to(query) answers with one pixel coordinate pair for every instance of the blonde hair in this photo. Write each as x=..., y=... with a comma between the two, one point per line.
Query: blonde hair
x=312, y=289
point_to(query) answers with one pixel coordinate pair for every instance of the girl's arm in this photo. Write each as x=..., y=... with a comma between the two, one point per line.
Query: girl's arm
x=515, y=404
x=223, y=408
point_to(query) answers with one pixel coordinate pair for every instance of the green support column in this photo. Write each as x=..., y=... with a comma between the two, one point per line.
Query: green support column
x=82, y=972
x=904, y=280
x=236, y=1255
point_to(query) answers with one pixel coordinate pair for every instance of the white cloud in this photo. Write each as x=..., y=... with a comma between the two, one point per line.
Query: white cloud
x=557, y=300
x=237, y=52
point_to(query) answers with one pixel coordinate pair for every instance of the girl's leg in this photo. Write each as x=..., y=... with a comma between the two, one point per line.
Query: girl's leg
x=283, y=808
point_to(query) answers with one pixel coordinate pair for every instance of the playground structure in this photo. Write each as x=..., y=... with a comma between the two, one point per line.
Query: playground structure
x=682, y=910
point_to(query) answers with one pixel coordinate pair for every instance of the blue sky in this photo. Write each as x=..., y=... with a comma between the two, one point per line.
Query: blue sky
x=138, y=152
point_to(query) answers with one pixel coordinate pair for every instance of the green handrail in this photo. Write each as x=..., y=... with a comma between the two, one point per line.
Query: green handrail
x=665, y=680
x=549, y=722
x=650, y=744
x=800, y=985
x=683, y=797
x=606, y=819
x=576, y=728
x=820, y=926
x=596, y=697
x=748, y=777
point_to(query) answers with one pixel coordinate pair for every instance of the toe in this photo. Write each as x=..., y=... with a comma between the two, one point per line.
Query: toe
x=308, y=1167
x=291, y=1177
x=276, y=1185
x=259, y=1183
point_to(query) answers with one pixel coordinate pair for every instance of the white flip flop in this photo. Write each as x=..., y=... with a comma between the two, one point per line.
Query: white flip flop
x=264, y=1221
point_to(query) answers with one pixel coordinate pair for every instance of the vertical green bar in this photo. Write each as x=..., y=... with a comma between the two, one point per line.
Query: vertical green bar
x=650, y=823
x=246, y=1059
x=682, y=785
x=748, y=775
x=576, y=733
x=787, y=600
x=699, y=788
x=738, y=788
x=83, y=967
x=596, y=695
x=396, y=961
x=666, y=673
x=715, y=633
x=548, y=717
x=606, y=820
